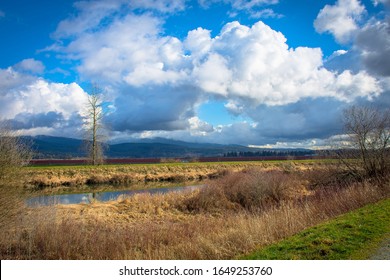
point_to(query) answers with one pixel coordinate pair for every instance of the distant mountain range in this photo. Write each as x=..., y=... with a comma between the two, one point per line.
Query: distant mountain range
x=66, y=148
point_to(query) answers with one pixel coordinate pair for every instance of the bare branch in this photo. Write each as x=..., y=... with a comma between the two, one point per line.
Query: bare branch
x=369, y=133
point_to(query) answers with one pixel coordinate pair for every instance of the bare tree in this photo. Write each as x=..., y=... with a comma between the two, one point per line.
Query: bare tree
x=368, y=131
x=95, y=130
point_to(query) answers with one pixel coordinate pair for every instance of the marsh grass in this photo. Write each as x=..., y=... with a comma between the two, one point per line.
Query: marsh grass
x=249, y=190
x=14, y=153
x=42, y=179
x=233, y=216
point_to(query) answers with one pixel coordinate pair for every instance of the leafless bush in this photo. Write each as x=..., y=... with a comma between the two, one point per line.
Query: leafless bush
x=367, y=150
x=250, y=190
x=13, y=155
x=333, y=176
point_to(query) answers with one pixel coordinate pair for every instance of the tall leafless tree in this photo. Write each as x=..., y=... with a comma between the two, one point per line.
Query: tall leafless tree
x=368, y=131
x=95, y=130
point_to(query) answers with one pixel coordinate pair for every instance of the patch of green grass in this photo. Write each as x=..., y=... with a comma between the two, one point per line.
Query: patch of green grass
x=354, y=235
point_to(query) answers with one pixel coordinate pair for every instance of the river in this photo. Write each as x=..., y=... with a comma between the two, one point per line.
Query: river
x=46, y=200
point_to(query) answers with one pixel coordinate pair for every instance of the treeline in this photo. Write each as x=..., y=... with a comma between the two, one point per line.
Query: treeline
x=270, y=153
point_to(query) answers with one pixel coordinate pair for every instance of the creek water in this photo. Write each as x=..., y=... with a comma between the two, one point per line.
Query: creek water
x=46, y=200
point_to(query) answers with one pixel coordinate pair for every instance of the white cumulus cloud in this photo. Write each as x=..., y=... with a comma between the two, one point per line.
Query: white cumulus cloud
x=341, y=19
x=158, y=81
x=199, y=127
x=30, y=65
x=35, y=104
x=213, y=75
x=256, y=63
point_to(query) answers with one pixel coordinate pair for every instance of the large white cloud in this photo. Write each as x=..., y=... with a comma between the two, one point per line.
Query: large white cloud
x=256, y=63
x=198, y=42
x=340, y=19
x=248, y=62
x=213, y=75
x=156, y=82
x=370, y=47
x=113, y=53
x=38, y=106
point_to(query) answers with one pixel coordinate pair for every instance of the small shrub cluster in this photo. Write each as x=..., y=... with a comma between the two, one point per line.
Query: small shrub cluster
x=339, y=177
x=249, y=190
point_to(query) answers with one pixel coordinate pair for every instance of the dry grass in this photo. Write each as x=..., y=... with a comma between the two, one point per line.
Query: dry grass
x=251, y=190
x=48, y=179
x=233, y=216
x=14, y=153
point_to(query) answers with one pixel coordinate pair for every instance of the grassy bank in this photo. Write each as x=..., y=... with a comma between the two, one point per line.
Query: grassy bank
x=232, y=216
x=57, y=179
x=351, y=236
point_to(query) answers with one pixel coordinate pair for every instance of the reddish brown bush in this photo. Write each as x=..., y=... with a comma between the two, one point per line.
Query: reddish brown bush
x=250, y=190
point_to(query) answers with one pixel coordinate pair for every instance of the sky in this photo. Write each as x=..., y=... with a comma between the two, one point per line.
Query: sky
x=265, y=73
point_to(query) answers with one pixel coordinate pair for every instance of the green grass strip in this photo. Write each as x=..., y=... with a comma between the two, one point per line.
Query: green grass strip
x=355, y=235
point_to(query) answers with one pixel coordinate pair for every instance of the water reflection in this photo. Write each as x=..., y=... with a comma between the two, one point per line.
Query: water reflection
x=100, y=196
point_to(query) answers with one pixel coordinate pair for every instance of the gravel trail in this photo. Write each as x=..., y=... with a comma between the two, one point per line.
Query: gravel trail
x=383, y=253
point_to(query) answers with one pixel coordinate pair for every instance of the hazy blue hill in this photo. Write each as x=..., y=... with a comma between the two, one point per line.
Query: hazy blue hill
x=159, y=140
x=156, y=149
x=61, y=147
x=55, y=147
x=140, y=150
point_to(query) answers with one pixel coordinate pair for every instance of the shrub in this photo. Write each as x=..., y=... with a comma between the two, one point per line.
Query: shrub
x=250, y=190
x=255, y=189
x=368, y=142
x=14, y=153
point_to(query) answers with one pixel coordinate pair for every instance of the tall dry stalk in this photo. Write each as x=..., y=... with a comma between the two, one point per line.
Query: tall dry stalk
x=14, y=153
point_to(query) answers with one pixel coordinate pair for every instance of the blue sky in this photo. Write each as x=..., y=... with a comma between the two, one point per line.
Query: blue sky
x=273, y=73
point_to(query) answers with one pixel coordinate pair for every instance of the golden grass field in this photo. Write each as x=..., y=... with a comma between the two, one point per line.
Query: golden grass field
x=249, y=205
x=57, y=179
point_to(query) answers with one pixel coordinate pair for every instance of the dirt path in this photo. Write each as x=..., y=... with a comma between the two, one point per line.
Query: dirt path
x=383, y=253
